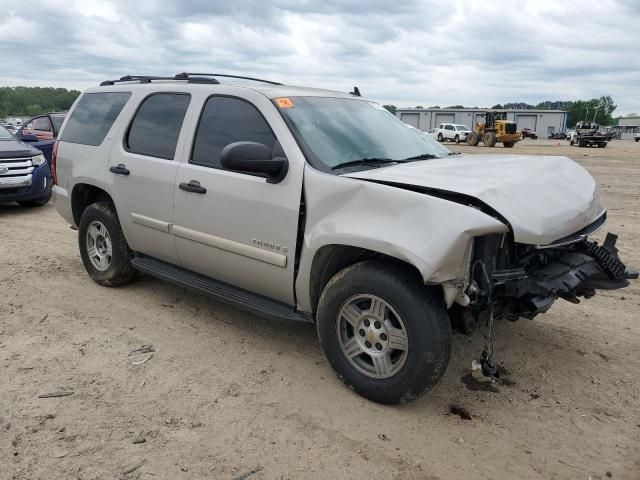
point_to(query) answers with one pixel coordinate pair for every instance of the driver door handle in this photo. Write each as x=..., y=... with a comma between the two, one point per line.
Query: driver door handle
x=192, y=187
x=120, y=169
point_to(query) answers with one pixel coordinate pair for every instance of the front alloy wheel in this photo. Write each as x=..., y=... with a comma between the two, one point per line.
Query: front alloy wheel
x=372, y=336
x=385, y=333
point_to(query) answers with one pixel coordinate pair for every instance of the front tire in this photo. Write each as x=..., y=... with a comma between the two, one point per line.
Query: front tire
x=457, y=139
x=104, y=250
x=473, y=139
x=440, y=138
x=508, y=144
x=489, y=139
x=385, y=334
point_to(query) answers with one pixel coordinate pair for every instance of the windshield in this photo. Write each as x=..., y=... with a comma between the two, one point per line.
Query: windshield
x=57, y=121
x=4, y=134
x=336, y=131
x=461, y=127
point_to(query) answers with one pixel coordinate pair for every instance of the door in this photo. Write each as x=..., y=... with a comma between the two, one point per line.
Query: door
x=142, y=170
x=236, y=227
x=445, y=117
x=412, y=119
x=527, y=121
x=40, y=127
x=449, y=132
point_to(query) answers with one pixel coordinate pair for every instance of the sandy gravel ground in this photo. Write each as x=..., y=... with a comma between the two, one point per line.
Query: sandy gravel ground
x=227, y=395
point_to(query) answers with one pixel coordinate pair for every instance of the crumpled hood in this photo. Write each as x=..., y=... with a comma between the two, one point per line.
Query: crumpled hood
x=543, y=198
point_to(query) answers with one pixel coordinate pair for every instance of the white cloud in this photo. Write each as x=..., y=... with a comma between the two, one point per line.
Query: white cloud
x=406, y=53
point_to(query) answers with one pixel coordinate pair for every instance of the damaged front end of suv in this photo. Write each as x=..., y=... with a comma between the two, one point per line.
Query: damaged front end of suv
x=511, y=280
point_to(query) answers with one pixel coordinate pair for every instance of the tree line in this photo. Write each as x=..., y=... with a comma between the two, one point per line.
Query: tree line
x=30, y=101
x=601, y=108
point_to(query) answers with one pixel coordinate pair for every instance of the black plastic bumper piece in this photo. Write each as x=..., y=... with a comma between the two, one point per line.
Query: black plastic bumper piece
x=224, y=292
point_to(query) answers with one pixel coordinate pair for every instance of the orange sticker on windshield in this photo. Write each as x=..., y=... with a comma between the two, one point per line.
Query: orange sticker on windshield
x=284, y=102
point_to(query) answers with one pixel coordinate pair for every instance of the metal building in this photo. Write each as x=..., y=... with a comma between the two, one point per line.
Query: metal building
x=543, y=122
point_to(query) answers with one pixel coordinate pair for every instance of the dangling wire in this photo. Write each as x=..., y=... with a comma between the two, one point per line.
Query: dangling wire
x=488, y=369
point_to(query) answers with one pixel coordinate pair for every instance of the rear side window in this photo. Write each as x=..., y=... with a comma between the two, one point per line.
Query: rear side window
x=156, y=126
x=227, y=120
x=93, y=116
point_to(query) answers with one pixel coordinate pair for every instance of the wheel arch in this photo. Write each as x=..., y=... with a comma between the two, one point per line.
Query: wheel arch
x=83, y=195
x=331, y=259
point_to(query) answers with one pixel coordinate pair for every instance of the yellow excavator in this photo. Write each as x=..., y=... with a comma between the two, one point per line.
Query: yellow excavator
x=495, y=128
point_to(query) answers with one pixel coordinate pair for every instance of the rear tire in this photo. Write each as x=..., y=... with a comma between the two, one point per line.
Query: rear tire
x=104, y=250
x=394, y=359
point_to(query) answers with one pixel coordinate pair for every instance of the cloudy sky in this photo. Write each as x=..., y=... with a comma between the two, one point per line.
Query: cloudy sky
x=402, y=52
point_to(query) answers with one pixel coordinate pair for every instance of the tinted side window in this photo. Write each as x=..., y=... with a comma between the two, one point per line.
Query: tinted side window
x=42, y=124
x=93, y=116
x=226, y=120
x=448, y=127
x=156, y=126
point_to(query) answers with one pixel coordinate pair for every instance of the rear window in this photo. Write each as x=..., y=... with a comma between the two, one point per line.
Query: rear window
x=93, y=116
x=156, y=126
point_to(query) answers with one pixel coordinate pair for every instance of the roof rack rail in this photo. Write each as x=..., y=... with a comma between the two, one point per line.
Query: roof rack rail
x=188, y=76
x=149, y=79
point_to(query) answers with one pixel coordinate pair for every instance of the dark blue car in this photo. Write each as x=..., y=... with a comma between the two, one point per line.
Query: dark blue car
x=25, y=173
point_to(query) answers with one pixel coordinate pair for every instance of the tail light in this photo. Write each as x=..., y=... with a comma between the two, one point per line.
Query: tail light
x=54, y=162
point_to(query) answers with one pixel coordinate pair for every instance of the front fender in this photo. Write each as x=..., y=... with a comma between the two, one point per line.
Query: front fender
x=430, y=233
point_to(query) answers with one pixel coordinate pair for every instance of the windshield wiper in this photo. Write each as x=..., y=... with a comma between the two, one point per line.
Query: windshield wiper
x=422, y=156
x=365, y=161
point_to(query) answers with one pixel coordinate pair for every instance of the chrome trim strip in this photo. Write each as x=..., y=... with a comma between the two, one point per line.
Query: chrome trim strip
x=150, y=222
x=15, y=182
x=574, y=238
x=20, y=171
x=238, y=248
x=19, y=163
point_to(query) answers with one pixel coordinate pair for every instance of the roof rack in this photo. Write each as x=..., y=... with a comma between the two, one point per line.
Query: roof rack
x=189, y=77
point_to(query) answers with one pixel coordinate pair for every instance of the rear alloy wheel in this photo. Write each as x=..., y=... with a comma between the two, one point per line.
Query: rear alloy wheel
x=104, y=250
x=386, y=335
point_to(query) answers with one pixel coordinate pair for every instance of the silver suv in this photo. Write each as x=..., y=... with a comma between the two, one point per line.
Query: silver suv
x=320, y=206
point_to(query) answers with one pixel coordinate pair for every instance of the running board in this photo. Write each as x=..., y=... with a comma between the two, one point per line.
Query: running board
x=224, y=292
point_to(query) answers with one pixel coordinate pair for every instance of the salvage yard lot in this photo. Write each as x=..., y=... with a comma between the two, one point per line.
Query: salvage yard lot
x=227, y=395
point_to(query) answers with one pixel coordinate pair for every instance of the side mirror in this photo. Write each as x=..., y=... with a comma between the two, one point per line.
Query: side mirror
x=27, y=137
x=255, y=158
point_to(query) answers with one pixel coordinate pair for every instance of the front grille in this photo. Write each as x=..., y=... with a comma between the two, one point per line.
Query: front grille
x=16, y=166
x=580, y=234
x=15, y=173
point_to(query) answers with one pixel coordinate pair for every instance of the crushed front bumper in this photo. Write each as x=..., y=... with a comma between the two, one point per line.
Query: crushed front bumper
x=531, y=285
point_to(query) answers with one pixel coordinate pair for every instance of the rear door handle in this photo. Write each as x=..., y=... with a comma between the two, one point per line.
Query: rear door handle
x=120, y=169
x=193, y=187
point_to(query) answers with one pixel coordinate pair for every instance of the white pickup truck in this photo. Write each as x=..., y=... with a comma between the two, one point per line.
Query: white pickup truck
x=452, y=132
